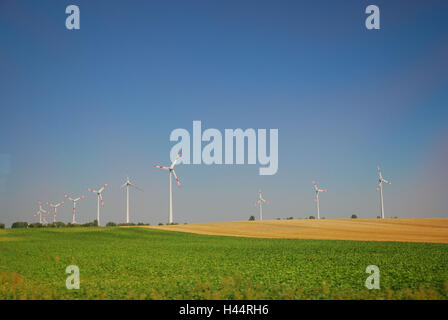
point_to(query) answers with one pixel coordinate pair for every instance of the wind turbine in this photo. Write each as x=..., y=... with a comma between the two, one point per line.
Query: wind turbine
x=40, y=211
x=380, y=187
x=260, y=203
x=55, y=207
x=316, y=199
x=128, y=184
x=98, y=193
x=74, y=204
x=171, y=170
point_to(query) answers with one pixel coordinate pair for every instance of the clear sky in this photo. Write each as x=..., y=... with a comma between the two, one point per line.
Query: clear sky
x=81, y=107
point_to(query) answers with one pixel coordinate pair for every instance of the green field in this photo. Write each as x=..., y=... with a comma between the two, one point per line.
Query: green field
x=137, y=263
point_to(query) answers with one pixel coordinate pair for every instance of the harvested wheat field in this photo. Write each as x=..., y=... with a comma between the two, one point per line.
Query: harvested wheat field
x=404, y=230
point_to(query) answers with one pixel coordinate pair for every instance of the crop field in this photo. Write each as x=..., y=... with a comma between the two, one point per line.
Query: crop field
x=434, y=230
x=142, y=263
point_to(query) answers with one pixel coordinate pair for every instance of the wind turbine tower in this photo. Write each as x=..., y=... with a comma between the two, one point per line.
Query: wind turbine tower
x=316, y=199
x=260, y=202
x=128, y=184
x=40, y=211
x=55, y=207
x=171, y=171
x=74, y=205
x=380, y=188
x=100, y=198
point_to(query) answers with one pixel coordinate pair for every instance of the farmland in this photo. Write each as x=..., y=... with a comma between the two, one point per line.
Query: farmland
x=142, y=263
x=406, y=230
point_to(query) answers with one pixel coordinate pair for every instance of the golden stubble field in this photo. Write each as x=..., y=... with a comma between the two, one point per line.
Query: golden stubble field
x=433, y=230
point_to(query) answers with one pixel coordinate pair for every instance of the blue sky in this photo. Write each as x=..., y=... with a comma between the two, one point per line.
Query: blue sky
x=80, y=108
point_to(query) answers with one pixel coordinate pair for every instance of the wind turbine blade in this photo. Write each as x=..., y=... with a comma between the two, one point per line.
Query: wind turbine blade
x=387, y=181
x=124, y=185
x=161, y=167
x=81, y=197
x=101, y=198
x=60, y=203
x=257, y=203
x=133, y=185
x=104, y=187
x=175, y=161
x=266, y=201
x=65, y=195
x=315, y=185
x=91, y=190
x=177, y=180
x=378, y=188
x=379, y=171
x=323, y=190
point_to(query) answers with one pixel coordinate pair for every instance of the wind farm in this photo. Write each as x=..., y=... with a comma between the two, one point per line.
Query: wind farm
x=321, y=235
x=274, y=124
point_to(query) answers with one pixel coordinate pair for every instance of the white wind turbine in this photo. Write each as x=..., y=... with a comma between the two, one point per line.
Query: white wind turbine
x=128, y=184
x=316, y=199
x=171, y=170
x=260, y=202
x=55, y=207
x=74, y=204
x=380, y=187
x=40, y=211
x=100, y=197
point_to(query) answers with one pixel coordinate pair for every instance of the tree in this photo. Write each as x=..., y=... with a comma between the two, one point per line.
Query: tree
x=19, y=225
x=2, y=226
x=354, y=216
x=311, y=217
x=35, y=225
x=251, y=218
x=111, y=224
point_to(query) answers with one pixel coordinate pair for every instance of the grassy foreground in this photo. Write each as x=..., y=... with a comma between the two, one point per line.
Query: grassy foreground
x=136, y=263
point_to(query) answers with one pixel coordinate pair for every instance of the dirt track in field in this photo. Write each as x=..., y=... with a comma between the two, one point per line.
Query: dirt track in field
x=407, y=230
